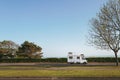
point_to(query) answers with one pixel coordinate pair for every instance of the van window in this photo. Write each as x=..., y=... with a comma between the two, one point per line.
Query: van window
x=70, y=57
x=83, y=58
x=78, y=57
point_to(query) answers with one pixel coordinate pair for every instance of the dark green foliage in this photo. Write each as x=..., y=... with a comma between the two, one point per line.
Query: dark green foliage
x=54, y=60
x=8, y=48
x=57, y=60
x=61, y=60
x=1, y=55
x=30, y=49
x=102, y=59
x=19, y=60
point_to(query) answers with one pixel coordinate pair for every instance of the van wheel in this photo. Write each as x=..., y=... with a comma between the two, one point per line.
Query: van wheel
x=84, y=63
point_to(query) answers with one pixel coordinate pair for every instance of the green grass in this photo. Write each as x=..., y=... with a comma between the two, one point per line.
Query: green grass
x=106, y=71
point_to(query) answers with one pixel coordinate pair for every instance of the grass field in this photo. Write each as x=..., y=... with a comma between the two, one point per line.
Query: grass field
x=82, y=71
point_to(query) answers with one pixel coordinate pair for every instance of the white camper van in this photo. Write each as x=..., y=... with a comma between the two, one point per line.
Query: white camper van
x=76, y=58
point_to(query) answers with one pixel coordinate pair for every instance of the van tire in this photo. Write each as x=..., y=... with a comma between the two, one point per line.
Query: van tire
x=85, y=63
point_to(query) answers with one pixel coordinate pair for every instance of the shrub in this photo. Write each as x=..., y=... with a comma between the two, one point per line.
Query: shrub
x=59, y=60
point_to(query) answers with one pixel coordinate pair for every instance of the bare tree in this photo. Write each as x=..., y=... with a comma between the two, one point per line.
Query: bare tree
x=105, y=30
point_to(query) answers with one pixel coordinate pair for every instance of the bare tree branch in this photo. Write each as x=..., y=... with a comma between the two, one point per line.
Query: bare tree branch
x=105, y=31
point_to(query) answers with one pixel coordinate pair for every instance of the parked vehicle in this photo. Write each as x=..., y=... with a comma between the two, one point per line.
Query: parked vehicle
x=76, y=58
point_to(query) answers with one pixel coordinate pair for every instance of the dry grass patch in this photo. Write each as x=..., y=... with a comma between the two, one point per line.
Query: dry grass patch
x=104, y=71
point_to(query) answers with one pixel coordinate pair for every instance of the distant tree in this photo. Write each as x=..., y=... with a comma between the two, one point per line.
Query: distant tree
x=105, y=30
x=31, y=50
x=8, y=48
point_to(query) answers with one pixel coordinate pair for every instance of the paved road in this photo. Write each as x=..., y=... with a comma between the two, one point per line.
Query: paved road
x=56, y=64
x=55, y=78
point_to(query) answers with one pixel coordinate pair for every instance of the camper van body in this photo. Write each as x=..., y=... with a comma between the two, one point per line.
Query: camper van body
x=76, y=58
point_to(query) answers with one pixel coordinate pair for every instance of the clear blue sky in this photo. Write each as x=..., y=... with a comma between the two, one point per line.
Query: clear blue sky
x=58, y=26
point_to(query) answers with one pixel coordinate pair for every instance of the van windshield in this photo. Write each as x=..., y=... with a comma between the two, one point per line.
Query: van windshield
x=83, y=58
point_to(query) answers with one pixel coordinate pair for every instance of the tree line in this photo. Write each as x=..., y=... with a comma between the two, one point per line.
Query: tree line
x=9, y=49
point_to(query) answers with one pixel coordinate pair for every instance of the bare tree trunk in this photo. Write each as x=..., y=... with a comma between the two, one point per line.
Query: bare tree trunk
x=116, y=57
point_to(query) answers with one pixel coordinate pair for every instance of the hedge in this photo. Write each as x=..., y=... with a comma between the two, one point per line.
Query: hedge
x=102, y=59
x=60, y=60
x=18, y=60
